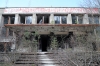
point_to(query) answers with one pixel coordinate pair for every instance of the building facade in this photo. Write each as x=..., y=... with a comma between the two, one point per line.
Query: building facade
x=59, y=21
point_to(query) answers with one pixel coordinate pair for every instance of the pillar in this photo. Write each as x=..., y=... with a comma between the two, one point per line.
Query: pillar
x=77, y=19
x=1, y=20
x=17, y=19
x=5, y=46
x=34, y=19
x=69, y=19
x=13, y=46
x=1, y=24
x=99, y=19
x=60, y=20
x=51, y=19
x=85, y=19
x=43, y=20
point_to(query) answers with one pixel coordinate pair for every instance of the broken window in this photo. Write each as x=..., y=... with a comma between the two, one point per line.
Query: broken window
x=80, y=19
x=57, y=19
x=60, y=19
x=9, y=19
x=39, y=19
x=42, y=19
x=64, y=19
x=96, y=19
x=6, y=20
x=93, y=19
x=26, y=19
x=77, y=19
x=22, y=19
x=74, y=19
x=12, y=20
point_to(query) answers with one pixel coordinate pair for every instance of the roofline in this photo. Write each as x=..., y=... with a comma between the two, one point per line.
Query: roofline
x=41, y=7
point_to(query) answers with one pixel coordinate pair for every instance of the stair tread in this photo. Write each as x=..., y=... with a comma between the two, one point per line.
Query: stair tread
x=42, y=58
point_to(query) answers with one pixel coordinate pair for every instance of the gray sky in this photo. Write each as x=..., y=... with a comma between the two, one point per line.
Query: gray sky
x=40, y=3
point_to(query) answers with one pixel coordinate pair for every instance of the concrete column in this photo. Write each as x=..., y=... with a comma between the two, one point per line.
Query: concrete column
x=99, y=19
x=77, y=20
x=17, y=21
x=51, y=19
x=69, y=19
x=1, y=24
x=13, y=46
x=66, y=19
x=43, y=20
x=60, y=20
x=85, y=19
x=34, y=19
x=0, y=31
x=25, y=19
x=1, y=20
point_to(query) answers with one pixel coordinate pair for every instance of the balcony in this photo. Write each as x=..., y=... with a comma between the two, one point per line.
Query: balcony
x=57, y=28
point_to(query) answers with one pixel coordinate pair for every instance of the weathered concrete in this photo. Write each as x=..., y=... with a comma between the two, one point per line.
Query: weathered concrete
x=69, y=19
x=51, y=21
x=46, y=61
x=14, y=42
x=85, y=19
x=34, y=19
x=1, y=10
x=1, y=20
x=77, y=19
x=1, y=24
x=17, y=19
x=99, y=19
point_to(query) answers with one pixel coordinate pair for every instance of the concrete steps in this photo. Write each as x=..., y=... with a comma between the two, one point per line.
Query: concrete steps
x=40, y=59
x=46, y=61
x=26, y=58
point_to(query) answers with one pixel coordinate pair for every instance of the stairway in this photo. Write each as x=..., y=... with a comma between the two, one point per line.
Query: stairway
x=38, y=59
x=26, y=59
x=45, y=60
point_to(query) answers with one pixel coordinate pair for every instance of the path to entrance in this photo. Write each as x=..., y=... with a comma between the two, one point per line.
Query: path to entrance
x=46, y=61
x=40, y=59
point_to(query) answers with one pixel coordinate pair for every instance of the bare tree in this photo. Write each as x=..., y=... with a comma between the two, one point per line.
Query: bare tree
x=91, y=6
x=91, y=3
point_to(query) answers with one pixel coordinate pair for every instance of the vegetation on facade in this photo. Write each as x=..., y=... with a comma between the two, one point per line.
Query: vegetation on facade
x=29, y=41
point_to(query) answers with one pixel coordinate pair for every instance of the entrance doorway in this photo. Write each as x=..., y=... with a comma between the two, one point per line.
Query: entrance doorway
x=44, y=42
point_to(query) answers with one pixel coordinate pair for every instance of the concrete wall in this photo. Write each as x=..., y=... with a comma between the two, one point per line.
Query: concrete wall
x=1, y=10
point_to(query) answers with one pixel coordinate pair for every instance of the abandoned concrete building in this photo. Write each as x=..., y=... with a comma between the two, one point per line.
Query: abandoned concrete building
x=46, y=21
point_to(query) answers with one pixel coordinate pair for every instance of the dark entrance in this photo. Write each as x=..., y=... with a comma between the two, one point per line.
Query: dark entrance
x=44, y=42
